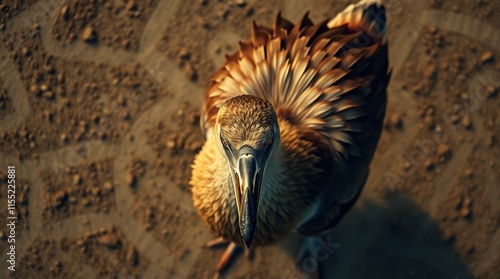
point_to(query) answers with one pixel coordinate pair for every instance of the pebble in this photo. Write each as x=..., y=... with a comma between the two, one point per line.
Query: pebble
x=25, y=51
x=59, y=198
x=240, y=3
x=64, y=137
x=77, y=179
x=491, y=91
x=184, y=54
x=444, y=151
x=89, y=34
x=429, y=122
x=466, y=122
x=487, y=57
x=170, y=144
x=455, y=119
x=130, y=179
x=131, y=5
x=110, y=240
x=131, y=256
x=48, y=94
x=429, y=164
x=108, y=186
x=465, y=212
x=64, y=11
x=34, y=89
x=396, y=121
x=189, y=71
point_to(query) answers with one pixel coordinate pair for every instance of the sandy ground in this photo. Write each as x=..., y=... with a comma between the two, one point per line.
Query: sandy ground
x=99, y=111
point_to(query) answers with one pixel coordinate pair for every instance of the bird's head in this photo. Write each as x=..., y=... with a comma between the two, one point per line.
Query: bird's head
x=247, y=133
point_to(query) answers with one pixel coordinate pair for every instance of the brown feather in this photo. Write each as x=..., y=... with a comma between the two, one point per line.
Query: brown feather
x=327, y=84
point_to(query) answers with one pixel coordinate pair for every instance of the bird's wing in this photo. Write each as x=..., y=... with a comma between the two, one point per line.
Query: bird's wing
x=329, y=78
x=357, y=108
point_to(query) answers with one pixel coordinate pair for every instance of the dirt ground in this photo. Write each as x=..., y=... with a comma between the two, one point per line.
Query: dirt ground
x=99, y=111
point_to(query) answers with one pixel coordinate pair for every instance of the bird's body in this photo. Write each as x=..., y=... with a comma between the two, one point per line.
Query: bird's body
x=308, y=101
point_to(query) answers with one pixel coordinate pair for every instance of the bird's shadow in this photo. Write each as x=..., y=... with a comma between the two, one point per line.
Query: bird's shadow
x=394, y=238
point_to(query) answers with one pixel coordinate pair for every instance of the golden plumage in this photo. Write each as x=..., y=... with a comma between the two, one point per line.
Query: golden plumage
x=308, y=100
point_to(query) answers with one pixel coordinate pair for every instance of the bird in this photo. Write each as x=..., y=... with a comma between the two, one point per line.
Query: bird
x=291, y=124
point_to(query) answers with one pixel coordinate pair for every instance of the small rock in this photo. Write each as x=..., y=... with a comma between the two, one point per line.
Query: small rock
x=444, y=151
x=89, y=34
x=130, y=179
x=189, y=71
x=59, y=199
x=34, y=89
x=64, y=137
x=466, y=122
x=77, y=179
x=48, y=94
x=240, y=3
x=396, y=121
x=429, y=164
x=64, y=11
x=132, y=257
x=429, y=122
x=44, y=87
x=170, y=144
x=455, y=119
x=487, y=57
x=60, y=78
x=110, y=240
x=184, y=54
x=491, y=91
x=131, y=5
x=465, y=212
x=25, y=51
x=49, y=69
x=108, y=186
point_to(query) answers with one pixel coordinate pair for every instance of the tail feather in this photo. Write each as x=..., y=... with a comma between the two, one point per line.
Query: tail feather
x=366, y=15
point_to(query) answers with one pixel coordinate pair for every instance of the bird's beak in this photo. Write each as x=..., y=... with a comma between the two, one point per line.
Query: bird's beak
x=247, y=189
